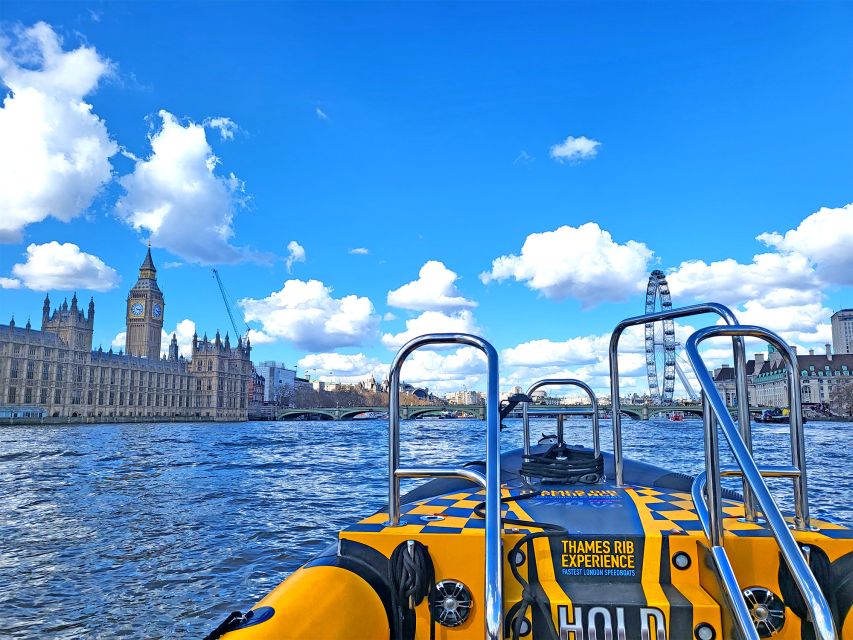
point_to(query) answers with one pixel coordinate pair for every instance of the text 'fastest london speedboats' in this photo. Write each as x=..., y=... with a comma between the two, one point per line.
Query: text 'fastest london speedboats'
x=558, y=542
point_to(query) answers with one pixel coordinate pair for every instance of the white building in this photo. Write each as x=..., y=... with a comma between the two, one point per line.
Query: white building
x=277, y=377
x=842, y=331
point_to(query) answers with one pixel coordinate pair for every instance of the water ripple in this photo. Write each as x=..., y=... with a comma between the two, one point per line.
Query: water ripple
x=160, y=530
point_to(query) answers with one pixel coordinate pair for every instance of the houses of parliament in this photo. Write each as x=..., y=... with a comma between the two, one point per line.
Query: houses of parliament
x=55, y=373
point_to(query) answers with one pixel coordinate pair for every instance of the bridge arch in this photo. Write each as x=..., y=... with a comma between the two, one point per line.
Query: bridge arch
x=292, y=414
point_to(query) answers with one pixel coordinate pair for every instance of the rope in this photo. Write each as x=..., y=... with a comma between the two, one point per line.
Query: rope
x=412, y=578
x=234, y=620
x=793, y=599
x=561, y=465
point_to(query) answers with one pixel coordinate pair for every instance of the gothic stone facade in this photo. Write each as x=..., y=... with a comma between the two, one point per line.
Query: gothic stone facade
x=55, y=373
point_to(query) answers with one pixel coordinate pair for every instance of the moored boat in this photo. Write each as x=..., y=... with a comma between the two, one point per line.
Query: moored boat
x=563, y=541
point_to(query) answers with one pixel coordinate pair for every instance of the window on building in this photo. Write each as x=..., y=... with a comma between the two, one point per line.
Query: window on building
x=13, y=368
x=89, y=396
x=75, y=396
x=57, y=396
x=100, y=397
x=16, y=349
x=112, y=377
x=33, y=350
x=210, y=365
x=31, y=368
x=123, y=376
x=43, y=396
x=112, y=397
x=78, y=373
x=45, y=371
x=28, y=395
x=59, y=373
x=13, y=395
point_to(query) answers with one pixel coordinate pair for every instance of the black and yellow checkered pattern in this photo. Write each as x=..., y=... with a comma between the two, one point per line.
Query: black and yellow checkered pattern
x=456, y=511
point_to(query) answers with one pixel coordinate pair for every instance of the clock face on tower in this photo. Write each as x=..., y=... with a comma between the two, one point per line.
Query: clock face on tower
x=157, y=310
x=137, y=309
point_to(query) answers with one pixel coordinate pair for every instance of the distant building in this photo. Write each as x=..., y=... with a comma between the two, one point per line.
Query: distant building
x=54, y=372
x=842, y=331
x=767, y=378
x=465, y=397
x=257, y=383
x=278, y=379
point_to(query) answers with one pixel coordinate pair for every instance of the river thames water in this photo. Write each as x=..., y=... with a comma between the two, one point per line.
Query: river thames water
x=159, y=530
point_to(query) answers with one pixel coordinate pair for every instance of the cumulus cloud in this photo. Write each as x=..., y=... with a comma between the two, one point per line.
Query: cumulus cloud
x=177, y=197
x=359, y=251
x=342, y=367
x=825, y=238
x=432, y=322
x=226, y=127
x=321, y=115
x=64, y=267
x=55, y=154
x=575, y=149
x=579, y=262
x=434, y=290
x=183, y=332
x=777, y=290
x=295, y=253
x=306, y=314
x=10, y=283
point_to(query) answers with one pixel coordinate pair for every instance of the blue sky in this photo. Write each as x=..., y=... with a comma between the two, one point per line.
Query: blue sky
x=452, y=133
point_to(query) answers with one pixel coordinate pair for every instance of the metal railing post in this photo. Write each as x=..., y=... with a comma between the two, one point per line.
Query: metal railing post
x=493, y=552
x=615, y=403
x=556, y=382
x=819, y=611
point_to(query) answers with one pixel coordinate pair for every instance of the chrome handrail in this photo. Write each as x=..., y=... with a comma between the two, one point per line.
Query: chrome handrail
x=492, y=482
x=711, y=515
x=569, y=382
x=740, y=376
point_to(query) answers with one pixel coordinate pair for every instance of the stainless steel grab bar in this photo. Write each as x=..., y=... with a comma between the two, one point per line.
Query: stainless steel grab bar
x=553, y=382
x=715, y=413
x=494, y=554
x=740, y=376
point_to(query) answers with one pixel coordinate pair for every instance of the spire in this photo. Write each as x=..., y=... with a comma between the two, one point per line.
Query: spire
x=74, y=301
x=29, y=326
x=147, y=268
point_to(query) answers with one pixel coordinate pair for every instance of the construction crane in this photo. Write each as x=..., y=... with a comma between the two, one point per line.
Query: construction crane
x=228, y=302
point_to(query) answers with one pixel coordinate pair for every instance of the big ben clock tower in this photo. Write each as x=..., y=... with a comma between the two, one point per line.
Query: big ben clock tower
x=145, y=306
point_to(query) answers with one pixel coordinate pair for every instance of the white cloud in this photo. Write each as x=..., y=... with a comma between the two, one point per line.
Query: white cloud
x=389, y=316
x=583, y=263
x=54, y=158
x=523, y=158
x=183, y=331
x=434, y=290
x=321, y=115
x=359, y=251
x=10, y=283
x=226, y=127
x=432, y=322
x=120, y=341
x=825, y=238
x=179, y=200
x=173, y=265
x=342, y=367
x=575, y=149
x=783, y=278
x=259, y=337
x=295, y=253
x=781, y=291
x=306, y=314
x=64, y=267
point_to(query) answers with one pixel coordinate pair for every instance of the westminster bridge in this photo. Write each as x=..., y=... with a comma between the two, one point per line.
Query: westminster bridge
x=636, y=411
